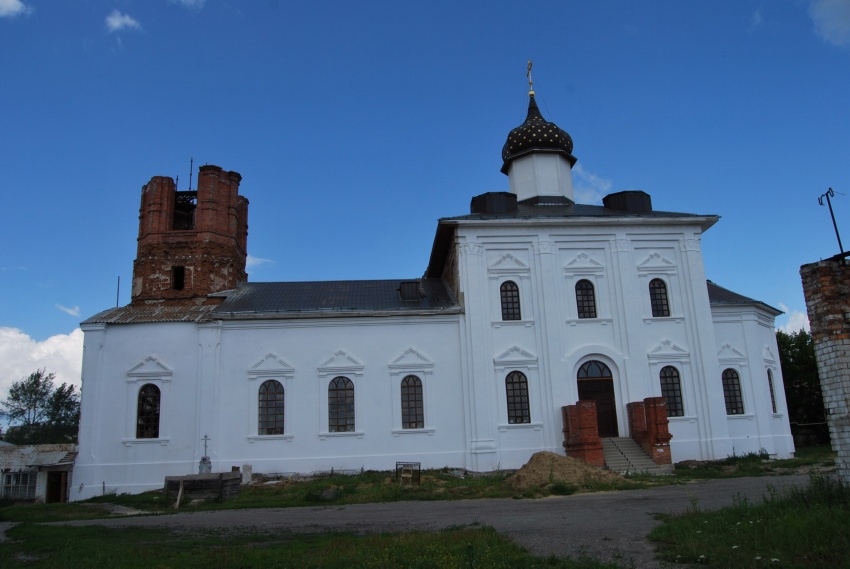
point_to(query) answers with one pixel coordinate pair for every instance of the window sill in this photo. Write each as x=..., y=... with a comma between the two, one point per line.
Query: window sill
x=130, y=442
x=674, y=319
x=520, y=426
x=742, y=416
x=683, y=419
x=500, y=323
x=254, y=438
x=586, y=321
x=424, y=431
x=358, y=434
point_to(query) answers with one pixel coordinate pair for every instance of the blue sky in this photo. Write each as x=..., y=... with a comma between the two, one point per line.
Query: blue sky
x=356, y=125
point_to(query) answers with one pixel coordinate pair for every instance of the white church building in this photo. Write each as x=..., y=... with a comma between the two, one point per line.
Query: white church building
x=529, y=303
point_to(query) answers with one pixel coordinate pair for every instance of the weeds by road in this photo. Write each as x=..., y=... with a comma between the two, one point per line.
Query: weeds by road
x=804, y=528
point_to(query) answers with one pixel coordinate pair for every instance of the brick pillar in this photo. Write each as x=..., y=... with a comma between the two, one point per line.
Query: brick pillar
x=658, y=430
x=826, y=286
x=649, y=428
x=581, y=433
x=637, y=421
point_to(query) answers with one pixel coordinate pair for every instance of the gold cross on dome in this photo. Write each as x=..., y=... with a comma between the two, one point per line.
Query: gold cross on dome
x=530, y=82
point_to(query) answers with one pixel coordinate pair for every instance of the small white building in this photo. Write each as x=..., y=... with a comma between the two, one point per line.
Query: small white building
x=36, y=473
x=529, y=303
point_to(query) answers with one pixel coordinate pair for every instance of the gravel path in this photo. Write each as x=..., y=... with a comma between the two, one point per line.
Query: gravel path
x=611, y=526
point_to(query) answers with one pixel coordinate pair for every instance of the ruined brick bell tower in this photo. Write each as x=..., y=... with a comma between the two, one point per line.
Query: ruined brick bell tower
x=191, y=243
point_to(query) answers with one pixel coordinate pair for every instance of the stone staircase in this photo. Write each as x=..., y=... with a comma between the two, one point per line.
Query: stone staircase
x=623, y=454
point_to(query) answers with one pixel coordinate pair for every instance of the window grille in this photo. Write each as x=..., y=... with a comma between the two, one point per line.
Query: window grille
x=772, y=392
x=19, y=485
x=341, y=405
x=271, y=408
x=732, y=392
x=585, y=299
x=412, y=411
x=185, y=205
x=147, y=417
x=516, y=385
x=510, y=301
x=658, y=298
x=594, y=370
x=671, y=390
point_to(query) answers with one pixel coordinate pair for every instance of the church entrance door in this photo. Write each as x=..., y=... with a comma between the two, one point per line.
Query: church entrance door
x=596, y=383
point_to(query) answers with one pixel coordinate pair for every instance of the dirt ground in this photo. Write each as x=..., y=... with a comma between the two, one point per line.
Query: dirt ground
x=546, y=468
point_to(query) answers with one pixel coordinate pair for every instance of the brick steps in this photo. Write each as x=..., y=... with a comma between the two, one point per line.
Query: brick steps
x=624, y=455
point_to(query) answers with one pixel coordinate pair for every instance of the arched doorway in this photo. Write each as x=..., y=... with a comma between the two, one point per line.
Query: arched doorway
x=596, y=383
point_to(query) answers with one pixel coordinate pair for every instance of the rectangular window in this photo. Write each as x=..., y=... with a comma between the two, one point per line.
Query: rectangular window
x=178, y=277
x=19, y=485
x=185, y=204
x=772, y=393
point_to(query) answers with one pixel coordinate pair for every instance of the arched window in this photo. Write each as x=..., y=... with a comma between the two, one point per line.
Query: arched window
x=510, y=301
x=772, y=392
x=658, y=298
x=147, y=415
x=585, y=299
x=270, y=408
x=341, y=405
x=594, y=370
x=732, y=392
x=412, y=411
x=516, y=386
x=671, y=390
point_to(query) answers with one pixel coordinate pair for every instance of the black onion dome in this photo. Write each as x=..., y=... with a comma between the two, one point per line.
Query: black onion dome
x=536, y=133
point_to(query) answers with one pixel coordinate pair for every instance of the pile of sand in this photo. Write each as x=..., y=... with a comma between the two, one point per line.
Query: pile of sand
x=546, y=468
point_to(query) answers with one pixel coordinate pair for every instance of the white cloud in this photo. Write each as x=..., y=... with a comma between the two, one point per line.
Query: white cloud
x=756, y=19
x=70, y=311
x=253, y=261
x=116, y=21
x=194, y=4
x=11, y=8
x=832, y=20
x=795, y=322
x=20, y=355
x=588, y=187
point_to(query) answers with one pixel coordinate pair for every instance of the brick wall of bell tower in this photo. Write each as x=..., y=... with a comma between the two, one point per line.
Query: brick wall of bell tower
x=191, y=243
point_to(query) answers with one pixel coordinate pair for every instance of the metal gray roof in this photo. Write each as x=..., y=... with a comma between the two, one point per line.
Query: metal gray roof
x=719, y=295
x=151, y=313
x=295, y=299
x=333, y=297
x=18, y=458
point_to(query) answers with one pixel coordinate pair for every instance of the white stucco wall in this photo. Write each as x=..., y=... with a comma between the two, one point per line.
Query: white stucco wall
x=209, y=374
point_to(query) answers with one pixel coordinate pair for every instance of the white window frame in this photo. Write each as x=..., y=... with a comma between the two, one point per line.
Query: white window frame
x=271, y=367
x=151, y=370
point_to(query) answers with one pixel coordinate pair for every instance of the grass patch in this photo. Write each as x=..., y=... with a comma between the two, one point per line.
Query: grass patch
x=380, y=486
x=140, y=548
x=755, y=464
x=803, y=527
x=336, y=489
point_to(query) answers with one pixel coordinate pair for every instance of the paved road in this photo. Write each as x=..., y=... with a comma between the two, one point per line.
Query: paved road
x=608, y=525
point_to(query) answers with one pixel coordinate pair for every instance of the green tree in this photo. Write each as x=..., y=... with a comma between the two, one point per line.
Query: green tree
x=38, y=413
x=802, y=384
